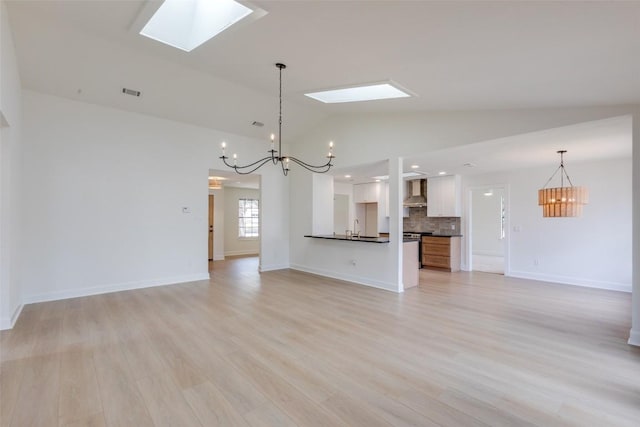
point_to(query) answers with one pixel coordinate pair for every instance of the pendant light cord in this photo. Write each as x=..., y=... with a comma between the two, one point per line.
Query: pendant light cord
x=280, y=66
x=563, y=174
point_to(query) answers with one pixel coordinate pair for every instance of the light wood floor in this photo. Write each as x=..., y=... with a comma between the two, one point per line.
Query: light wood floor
x=286, y=348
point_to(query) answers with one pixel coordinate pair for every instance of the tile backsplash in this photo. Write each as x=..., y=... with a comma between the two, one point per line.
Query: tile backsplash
x=419, y=221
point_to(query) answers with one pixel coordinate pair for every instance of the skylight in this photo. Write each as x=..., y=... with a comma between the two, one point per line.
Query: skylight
x=186, y=24
x=360, y=93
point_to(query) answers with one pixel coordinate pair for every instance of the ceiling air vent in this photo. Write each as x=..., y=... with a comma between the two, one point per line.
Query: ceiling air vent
x=131, y=92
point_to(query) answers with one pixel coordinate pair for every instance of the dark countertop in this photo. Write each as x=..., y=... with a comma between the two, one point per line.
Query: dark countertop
x=433, y=233
x=351, y=239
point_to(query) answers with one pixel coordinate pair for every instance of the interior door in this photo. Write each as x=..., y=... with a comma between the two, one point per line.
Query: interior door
x=210, y=227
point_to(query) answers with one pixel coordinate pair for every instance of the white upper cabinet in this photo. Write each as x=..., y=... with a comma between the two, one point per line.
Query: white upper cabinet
x=444, y=196
x=366, y=193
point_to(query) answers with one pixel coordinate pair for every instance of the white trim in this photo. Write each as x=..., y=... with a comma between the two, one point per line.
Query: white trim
x=634, y=338
x=488, y=253
x=238, y=253
x=573, y=281
x=392, y=287
x=467, y=221
x=9, y=323
x=218, y=258
x=264, y=268
x=116, y=287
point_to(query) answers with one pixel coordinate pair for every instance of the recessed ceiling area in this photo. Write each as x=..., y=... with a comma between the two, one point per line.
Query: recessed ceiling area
x=232, y=179
x=590, y=141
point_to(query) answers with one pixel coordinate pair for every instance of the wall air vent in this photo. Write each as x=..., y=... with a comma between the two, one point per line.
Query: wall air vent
x=131, y=92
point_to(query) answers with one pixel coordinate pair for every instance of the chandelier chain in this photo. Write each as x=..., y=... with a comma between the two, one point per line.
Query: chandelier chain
x=276, y=156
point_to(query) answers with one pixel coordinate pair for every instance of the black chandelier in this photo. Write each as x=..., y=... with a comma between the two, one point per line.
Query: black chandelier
x=276, y=156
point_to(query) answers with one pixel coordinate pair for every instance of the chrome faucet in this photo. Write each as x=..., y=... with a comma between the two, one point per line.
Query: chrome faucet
x=356, y=233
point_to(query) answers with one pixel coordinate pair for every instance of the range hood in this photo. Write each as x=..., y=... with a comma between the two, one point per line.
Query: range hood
x=417, y=198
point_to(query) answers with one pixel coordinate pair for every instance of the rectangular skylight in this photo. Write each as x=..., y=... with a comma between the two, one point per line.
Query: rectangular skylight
x=186, y=24
x=360, y=93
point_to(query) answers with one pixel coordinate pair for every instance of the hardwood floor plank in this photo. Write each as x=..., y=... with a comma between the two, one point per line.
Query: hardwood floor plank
x=211, y=407
x=290, y=400
x=95, y=420
x=288, y=348
x=79, y=397
x=353, y=412
x=37, y=402
x=167, y=406
x=121, y=400
x=11, y=373
x=269, y=415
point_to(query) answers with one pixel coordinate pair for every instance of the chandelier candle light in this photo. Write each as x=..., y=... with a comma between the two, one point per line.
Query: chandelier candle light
x=276, y=156
x=562, y=201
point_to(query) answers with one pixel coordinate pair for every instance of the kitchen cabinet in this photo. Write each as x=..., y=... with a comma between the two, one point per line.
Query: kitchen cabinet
x=444, y=196
x=366, y=193
x=372, y=209
x=441, y=253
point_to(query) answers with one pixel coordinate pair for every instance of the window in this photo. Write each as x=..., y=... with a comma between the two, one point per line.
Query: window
x=248, y=218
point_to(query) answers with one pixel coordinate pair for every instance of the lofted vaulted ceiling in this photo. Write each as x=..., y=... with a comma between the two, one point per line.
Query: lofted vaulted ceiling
x=454, y=55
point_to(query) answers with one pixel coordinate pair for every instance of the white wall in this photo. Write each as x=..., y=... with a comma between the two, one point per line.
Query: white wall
x=634, y=333
x=233, y=245
x=10, y=168
x=345, y=189
x=368, y=138
x=591, y=250
x=322, y=188
x=104, y=191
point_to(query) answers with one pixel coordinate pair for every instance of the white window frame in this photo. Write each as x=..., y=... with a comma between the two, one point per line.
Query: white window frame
x=248, y=219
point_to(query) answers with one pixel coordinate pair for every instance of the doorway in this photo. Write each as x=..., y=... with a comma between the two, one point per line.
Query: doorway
x=211, y=217
x=488, y=229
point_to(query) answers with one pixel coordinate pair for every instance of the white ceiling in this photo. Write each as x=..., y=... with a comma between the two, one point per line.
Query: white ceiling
x=232, y=179
x=601, y=139
x=454, y=55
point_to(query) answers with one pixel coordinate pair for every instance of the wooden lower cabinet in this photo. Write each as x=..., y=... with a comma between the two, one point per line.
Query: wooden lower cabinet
x=441, y=253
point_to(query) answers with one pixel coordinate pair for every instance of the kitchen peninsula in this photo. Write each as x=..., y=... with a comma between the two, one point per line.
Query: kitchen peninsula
x=349, y=238
x=410, y=263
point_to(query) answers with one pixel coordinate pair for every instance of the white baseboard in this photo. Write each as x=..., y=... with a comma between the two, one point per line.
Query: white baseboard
x=116, y=287
x=565, y=280
x=634, y=337
x=392, y=287
x=488, y=253
x=9, y=322
x=273, y=267
x=239, y=253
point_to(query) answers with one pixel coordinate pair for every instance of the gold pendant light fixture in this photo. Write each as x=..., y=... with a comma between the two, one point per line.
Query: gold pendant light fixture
x=562, y=201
